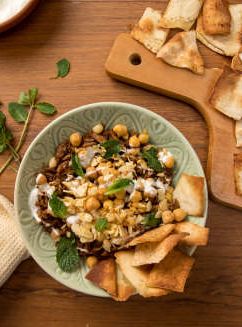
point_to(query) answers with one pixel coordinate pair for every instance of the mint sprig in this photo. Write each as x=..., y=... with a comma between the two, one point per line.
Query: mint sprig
x=67, y=255
x=58, y=207
x=101, y=224
x=112, y=147
x=76, y=165
x=63, y=68
x=151, y=158
x=150, y=220
x=118, y=185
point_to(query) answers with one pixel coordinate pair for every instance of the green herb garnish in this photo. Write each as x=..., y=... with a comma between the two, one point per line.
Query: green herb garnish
x=63, y=68
x=150, y=156
x=112, y=147
x=21, y=112
x=76, y=165
x=101, y=224
x=67, y=255
x=119, y=185
x=58, y=207
x=151, y=221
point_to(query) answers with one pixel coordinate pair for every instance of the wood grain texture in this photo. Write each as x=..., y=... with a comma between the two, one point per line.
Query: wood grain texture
x=84, y=31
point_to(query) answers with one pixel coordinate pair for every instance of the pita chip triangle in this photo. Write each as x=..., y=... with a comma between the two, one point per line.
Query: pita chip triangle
x=182, y=51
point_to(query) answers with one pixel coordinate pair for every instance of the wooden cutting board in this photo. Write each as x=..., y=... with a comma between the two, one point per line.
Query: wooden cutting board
x=131, y=63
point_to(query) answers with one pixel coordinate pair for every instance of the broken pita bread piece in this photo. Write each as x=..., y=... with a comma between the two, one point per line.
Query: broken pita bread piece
x=103, y=274
x=150, y=253
x=137, y=276
x=238, y=132
x=189, y=192
x=124, y=288
x=148, y=32
x=172, y=272
x=181, y=14
x=154, y=235
x=227, y=95
x=236, y=63
x=238, y=172
x=196, y=234
x=216, y=17
x=227, y=45
x=182, y=51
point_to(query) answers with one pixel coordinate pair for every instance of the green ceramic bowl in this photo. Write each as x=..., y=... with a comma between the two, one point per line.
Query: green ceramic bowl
x=82, y=119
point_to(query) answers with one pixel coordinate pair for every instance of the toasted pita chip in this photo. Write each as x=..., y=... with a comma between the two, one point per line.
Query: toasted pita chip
x=189, y=192
x=150, y=253
x=236, y=63
x=227, y=95
x=154, y=235
x=181, y=14
x=216, y=17
x=238, y=132
x=182, y=51
x=238, y=172
x=137, y=276
x=148, y=32
x=227, y=45
x=103, y=274
x=197, y=235
x=172, y=272
x=124, y=288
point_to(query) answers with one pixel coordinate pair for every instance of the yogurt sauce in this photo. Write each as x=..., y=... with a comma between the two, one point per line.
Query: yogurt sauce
x=9, y=8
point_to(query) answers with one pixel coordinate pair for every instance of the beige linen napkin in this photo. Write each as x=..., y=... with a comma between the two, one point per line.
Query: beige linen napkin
x=12, y=249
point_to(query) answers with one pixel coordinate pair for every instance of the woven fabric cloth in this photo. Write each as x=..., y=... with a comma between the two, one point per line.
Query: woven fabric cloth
x=12, y=249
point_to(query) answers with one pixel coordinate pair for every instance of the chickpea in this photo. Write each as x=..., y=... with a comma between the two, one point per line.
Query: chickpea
x=169, y=163
x=108, y=204
x=98, y=129
x=52, y=162
x=121, y=130
x=136, y=196
x=75, y=139
x=41, y=179
x=120, y=195
x=100, y=180
x=101, y=193
x=179, y=214
x=134, y=142
x=118, y=203
x=167, y=217
x=91, y=172
x=144, y=138
x=91, y=262
x=92, y=204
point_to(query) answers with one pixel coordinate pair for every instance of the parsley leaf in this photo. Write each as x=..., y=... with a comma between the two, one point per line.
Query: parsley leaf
x=151, y=221
x=46, y=108
x=112, y=147
x=18, y=112
x=58, y=207
x=118, y=185
x=101, y=224
x=76, y=165
x=67, y=255
x=150, y=156
x=63, y=68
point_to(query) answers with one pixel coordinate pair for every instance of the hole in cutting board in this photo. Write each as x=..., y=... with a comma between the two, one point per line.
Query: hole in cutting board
x=135, y=59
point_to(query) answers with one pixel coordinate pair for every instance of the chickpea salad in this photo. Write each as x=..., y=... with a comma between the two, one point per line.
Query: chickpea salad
x=101, y=190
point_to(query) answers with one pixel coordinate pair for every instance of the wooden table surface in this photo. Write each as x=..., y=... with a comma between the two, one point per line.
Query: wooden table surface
x=83, y=32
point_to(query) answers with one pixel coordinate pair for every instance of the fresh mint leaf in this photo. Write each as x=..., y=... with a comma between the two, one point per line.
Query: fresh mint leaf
x=58, y=207
x=24, y=99
x=46, y=108
x=151, y=221
x=2, y=119
x=63, y=68
x=5, y=137
x=18, y=112
x=112, y=147
x=76, y=165
x=33, y=94
x=150, y=156
x=101, y=224
x=118, y=185
x=67, y=255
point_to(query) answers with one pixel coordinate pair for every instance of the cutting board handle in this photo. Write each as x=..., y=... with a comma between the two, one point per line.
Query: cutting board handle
x=131, y=63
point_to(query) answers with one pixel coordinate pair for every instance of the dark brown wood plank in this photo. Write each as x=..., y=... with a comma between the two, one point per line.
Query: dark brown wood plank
x=83, y=31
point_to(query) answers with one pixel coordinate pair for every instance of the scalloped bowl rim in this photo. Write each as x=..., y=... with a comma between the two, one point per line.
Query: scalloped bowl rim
x=59, y=119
